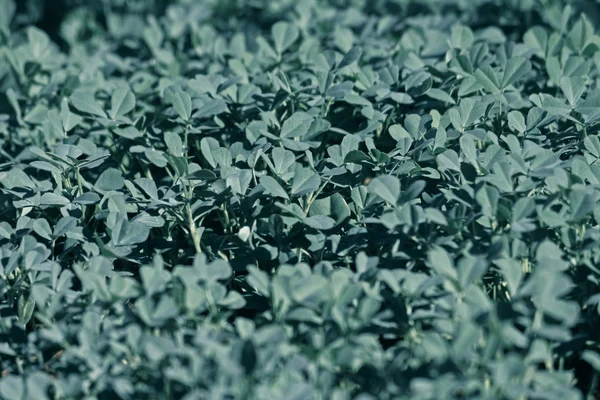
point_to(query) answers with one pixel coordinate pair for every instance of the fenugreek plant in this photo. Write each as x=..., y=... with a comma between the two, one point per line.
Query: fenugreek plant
x=224, y=199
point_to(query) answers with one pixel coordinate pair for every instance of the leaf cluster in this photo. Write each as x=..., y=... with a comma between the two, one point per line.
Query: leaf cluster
x=300, y=199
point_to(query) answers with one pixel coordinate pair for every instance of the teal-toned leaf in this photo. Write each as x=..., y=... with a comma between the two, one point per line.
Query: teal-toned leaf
x=26, y=306
x=273, y=187
x=320, y=222
x=211, y=108
x=122, y=102
x=296, y=125
x=581, y=203
x=110, y=179
x=85, y=102
x=461, y=37
x=488, y=197
x=174, y=144
x=284, y=35
x=488, y=78
x=512, y=272
x=386, y=187
x=592, y=358
x=350, y=57
x=440, y=261
x=516, y=122
x=440, y=95
x=69, y=120
x=572, y=88
x=63, y=226
x=305, y=181
x=515, y=69
x=53, y=199
x=180, y=101
x=126, y=233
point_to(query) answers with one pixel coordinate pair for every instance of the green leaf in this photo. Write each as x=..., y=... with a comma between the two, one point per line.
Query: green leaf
x=122, y=102
x=512, y=271
x=439, y=260
x=461, y=37
x=537, y=38
x=12, y=388
x=207, y=146
x=413, y=191
x=26, y=307
x=320, y=222
x=553, y=69
x=590, y=107
x=591, y=144
x=572, y=88
x=523, y=208
x=440, y=95
x=284, y=35
x=305, y=181
x=282, y=160
x=39, y=43
x=448, y=160
x=42, y=228
x=126, y=233
x=581, y=203
x=129, y=132
x=14, y=102
x=8, y=9
x=84, y=101
x=174, y=144
x=88, y=198
x=110, y=179
x=350, y=57
x=516, y=122
x=211, y=108
x=180, y=101
x=64, y=226
x=333, y=206
x=488, y=78
x=386, y=187
x=515, y=69
x=53, y=199
x=580, y=34
x=467, y=146
x=488, y=197
x=592, y=358
x=46, y=166
x=273, y=187
x=471, y=110
x=69, y=120
x=296, y=125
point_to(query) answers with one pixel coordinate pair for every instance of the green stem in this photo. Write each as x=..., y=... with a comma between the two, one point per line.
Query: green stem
x=185, y=139
x=226, y=226
x=193, y=230
x=327, y=107
x=314, y=196
x=79, y=182
x=80, y=191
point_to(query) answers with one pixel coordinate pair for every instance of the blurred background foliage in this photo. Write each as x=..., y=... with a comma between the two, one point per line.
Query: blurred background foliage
x=68, y=20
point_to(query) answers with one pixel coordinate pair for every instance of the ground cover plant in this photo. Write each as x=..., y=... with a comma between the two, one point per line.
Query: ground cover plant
x=343, y=199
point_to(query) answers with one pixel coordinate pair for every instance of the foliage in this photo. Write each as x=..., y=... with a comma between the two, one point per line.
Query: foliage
x=299, y=199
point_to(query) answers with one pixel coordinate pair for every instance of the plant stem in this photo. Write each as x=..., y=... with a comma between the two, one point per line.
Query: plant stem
x=193, y=230
x=185, y=139
x=314, y=196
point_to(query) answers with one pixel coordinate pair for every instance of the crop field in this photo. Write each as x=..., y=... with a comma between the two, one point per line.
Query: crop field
x=299, y=199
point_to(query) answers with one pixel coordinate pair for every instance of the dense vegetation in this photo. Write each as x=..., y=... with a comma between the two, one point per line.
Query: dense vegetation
x=343, y=199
